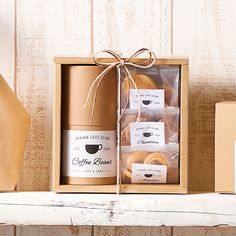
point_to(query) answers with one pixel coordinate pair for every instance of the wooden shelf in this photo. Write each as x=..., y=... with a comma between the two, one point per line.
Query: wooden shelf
x=47, y=208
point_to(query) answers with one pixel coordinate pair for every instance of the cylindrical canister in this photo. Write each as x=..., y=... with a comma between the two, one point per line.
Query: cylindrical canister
x=88, y=149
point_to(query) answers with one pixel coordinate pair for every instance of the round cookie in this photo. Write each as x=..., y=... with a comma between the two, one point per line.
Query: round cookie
x=156, y=158
x=125, y=127
x=136, y=157
x=142, y=81
x=126, y=176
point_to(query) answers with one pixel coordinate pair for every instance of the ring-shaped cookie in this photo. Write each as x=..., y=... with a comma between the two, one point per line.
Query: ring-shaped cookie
x=156, y=158
x=136, y=157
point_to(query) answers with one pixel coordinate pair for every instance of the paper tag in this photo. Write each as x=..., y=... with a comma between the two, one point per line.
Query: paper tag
x=150, y=98
x=89, y=153
x=151, y=133
x=146, y=173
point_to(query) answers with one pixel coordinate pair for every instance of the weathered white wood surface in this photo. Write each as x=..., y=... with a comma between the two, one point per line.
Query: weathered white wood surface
x=203, y=30
x=128, y=26
x=45, y=29
x=7, y=50
x=47, y=208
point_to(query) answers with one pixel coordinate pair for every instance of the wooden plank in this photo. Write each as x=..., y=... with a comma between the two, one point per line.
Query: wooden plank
x=7, y=41
x=6, y=230
x=128, y=26
x=160, y=60
x=132, y=231
x=45, y=29
x=206, y=231
x=203, y=30
x=47, y=208
x=53, y=231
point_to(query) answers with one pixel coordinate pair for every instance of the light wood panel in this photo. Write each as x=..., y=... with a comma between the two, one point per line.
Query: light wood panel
x=204, y=31
x=7, y=41
x=126, y=26
x=132, y=231
x=7, y=231
x=45, y=29
x=204, y=231
x=53, y=231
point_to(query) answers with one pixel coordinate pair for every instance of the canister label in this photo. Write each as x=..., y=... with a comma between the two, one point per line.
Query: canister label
x=89, y=153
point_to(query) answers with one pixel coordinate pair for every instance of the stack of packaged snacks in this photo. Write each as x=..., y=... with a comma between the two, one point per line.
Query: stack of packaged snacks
x=150, y=144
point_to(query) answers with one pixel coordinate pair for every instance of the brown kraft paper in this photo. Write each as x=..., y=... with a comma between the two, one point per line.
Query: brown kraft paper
x=14, y=127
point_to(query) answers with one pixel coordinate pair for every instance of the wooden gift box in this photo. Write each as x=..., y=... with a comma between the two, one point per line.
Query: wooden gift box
x=182, y=187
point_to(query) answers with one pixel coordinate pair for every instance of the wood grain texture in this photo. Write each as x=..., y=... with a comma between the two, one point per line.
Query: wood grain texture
x=203, y=30
x=7, y=41
x=204, y=231
x=128, y=26
x=47, y=208
x=53, y=231
x=7, y=230
x=132, y=231
x=7, y=54
x=45, y=29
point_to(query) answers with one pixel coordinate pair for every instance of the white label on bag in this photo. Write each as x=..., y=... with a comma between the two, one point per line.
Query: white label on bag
x=146, y=173
x=89, y=153
x=143, y=133
x=150, y=98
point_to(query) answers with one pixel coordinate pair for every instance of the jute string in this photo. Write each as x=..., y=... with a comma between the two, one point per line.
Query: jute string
x=120, y=63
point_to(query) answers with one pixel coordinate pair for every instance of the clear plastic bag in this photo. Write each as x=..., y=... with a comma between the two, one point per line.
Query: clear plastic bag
x=155, y=84
x=151, y=165
x=150, y=147
x=145, y=131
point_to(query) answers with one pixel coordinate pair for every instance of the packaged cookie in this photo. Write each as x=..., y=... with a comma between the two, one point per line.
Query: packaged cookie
x=158, y=87
x=157, y=127
x=151, y=166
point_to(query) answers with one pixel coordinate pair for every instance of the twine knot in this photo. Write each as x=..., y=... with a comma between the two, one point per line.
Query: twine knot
x=119, y=63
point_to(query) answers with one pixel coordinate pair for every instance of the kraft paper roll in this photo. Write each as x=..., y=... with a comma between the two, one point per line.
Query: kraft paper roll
x=88, y=150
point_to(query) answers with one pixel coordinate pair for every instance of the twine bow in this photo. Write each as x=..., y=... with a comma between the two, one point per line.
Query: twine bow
x=119, y=63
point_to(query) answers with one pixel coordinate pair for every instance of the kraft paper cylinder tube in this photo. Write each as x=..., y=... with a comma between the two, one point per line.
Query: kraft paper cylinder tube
x=88, y=149
x=76, y=81
x=14, y=126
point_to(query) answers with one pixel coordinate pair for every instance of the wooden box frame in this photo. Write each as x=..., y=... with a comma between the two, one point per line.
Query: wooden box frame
x=182, y=187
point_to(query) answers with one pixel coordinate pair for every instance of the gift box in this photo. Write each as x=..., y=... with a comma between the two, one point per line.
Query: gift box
x=167, y=156
x=14, y=127
x=225, y=147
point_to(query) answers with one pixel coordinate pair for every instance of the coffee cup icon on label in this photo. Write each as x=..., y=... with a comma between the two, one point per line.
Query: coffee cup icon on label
x=93, y=148
x=147, y=134
x=148, y=175
x=147, y=102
